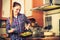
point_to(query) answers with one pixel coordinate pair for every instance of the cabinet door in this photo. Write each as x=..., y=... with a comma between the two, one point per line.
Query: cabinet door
x=5, y=8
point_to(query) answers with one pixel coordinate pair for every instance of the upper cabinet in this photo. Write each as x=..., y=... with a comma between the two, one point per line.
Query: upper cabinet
x=27, y=7
x=5, y=8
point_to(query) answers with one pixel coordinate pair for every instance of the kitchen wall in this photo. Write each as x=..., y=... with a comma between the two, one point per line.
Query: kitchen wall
x=37, y=14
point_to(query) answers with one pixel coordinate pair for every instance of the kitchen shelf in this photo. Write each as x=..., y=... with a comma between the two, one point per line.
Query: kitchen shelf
x=3, y=18
x=3, y=22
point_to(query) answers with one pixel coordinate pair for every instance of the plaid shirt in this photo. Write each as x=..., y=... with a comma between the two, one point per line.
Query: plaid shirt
x=19, y=24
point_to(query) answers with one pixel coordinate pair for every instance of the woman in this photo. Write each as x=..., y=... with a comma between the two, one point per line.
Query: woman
x=18, y=23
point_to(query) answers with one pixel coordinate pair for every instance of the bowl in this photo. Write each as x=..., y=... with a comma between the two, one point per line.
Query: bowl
x=25, y=34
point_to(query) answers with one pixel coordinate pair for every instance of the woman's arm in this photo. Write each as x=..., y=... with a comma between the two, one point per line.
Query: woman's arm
x=11, y=31
x=27, y=27
x=8, y=27
x=27, y=21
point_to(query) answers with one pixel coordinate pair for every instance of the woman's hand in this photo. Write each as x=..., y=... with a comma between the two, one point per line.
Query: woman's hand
x=12, y=30
x=27, y=27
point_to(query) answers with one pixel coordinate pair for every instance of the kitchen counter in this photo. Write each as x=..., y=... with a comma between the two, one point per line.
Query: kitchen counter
x=43, y=38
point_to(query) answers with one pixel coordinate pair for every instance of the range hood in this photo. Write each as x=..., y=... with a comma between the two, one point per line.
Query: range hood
x=47, y=7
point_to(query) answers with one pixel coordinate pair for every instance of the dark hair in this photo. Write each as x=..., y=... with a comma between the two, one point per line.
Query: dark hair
x=32, y=20
x=16, y=3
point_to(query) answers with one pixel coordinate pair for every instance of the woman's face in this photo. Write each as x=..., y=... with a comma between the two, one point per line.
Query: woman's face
x=16, y=9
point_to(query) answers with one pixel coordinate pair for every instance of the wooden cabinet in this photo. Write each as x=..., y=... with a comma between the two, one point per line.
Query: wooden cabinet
x=5, y=8
x=0, y=8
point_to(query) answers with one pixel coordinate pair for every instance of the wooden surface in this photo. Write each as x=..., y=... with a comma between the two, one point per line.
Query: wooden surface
x=45, y=38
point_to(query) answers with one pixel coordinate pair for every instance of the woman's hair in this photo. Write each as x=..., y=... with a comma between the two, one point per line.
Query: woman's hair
x=16, y=4
x=32, y=20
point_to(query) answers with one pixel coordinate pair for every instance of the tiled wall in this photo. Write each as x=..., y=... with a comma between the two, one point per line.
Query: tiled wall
x=38, y=15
